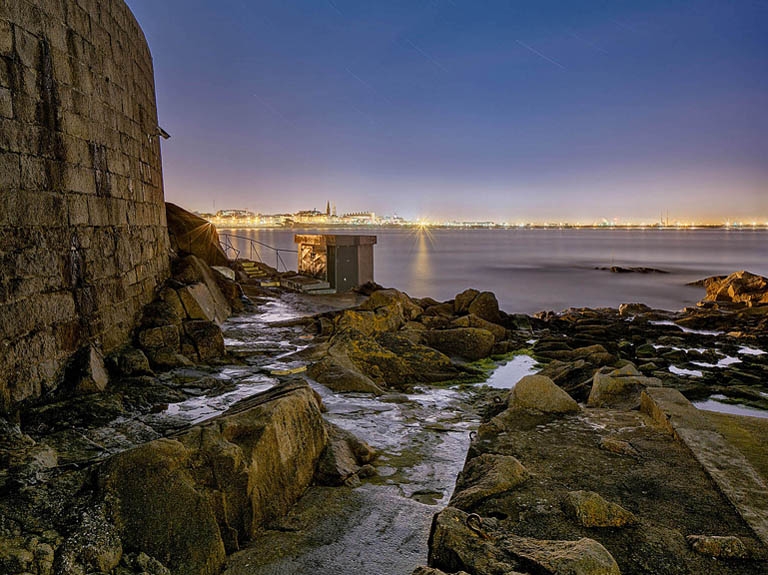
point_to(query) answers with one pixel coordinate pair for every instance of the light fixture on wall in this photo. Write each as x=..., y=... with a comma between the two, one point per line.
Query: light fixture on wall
x=158, y=132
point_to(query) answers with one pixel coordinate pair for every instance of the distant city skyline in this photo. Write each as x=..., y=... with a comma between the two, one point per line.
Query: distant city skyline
x=547, y=111
x=238, y=217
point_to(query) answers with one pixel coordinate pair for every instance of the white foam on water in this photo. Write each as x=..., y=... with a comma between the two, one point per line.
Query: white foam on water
x=685, y=372
x=685, y=349
x=687, y=329
x=744, y=350
x=725, y=362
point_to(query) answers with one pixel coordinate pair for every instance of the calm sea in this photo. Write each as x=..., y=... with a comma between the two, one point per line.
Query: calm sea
x=531, y=270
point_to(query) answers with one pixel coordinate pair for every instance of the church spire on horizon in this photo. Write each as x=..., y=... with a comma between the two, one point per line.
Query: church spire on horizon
x=328, y=208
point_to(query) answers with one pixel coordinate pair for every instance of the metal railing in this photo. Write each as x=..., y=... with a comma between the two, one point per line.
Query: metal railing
x=225, y=240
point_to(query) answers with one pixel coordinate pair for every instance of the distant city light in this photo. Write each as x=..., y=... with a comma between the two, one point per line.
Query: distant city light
x=238, y=218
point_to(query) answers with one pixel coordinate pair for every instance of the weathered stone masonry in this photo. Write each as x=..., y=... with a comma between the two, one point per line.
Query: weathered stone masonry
x=83, y=241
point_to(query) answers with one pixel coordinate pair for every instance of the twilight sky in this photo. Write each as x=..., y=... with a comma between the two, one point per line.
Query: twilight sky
x=465, y=109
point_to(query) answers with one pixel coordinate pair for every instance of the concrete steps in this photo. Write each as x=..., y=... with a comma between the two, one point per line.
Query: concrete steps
x=307, y=285
x=253, y=269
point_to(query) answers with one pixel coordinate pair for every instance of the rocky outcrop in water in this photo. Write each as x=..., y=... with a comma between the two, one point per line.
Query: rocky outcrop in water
x=739, y=287
x=394, y=341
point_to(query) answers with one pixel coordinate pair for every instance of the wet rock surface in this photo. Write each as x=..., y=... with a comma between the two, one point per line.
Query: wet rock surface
x=556, y=489
x=382, y=524
x=394, y=341
x=92, y=483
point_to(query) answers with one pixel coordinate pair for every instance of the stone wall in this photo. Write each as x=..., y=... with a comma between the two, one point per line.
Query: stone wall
x=83, y=239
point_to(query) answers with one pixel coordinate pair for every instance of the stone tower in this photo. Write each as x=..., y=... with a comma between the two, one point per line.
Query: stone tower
x=83, y=239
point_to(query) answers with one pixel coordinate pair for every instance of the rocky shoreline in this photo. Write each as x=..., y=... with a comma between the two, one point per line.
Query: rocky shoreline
x=539, y=484
x=606, y=483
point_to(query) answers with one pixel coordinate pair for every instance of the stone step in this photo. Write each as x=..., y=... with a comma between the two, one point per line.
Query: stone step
x=307, y=285
x=253, y=270
x=327, y=291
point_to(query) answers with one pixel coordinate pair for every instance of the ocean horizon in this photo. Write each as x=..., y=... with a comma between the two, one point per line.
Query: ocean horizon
x=533, y=270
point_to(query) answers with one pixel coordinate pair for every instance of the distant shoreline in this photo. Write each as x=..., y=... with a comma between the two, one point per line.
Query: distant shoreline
x=414, y=226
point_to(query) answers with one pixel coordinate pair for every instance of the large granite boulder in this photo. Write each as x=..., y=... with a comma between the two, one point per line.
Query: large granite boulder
x=201, y=296
x=340, y=374
x=485, y=306
x=595, y=355
x=581, y=557
x=574, y=377
x=182, y=324
x=539, y=393
x=392, y=298
x=370, y=322
x=358, y=362
x=372, y=359
x=190, y=499
x=471, y=320
x=425, y=364
x=200, y=303
x=131, y=362
x=162, y=337
x=591, y=510
x=88, y=371
x=163, y=311
x=194, y=235
x=456, y=543
x=463, y=300
x=468, y=342
x=386, y=310
x=485, y=476
x=619, y=387
x=480, y=304
x=207, y=339
x=161, y=511
x=343, y=457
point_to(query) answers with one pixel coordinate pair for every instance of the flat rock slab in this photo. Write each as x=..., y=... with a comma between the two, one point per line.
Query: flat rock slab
x=747, y=434
x=658, y=481
x=738, y=480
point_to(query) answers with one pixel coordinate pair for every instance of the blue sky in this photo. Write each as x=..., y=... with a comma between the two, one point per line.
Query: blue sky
x=509, y=111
